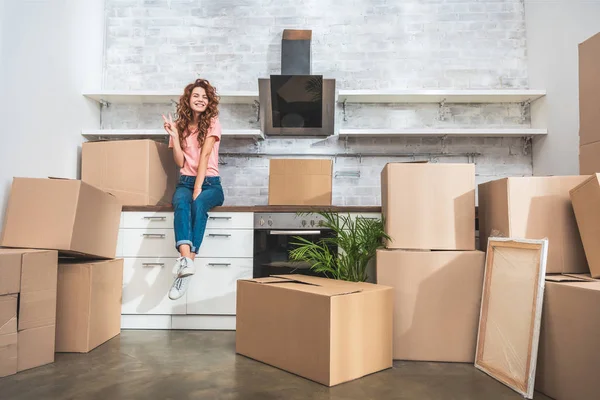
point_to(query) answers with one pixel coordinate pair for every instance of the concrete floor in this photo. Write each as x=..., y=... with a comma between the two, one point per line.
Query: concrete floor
x=203, y=365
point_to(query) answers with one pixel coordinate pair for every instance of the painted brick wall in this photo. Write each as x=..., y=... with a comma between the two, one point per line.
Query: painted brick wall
x=364, y=44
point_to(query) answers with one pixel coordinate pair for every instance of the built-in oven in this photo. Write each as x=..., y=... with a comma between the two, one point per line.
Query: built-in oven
x=274, y=238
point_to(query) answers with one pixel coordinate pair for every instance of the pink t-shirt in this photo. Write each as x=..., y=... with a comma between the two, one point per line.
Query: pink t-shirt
x=191, y=152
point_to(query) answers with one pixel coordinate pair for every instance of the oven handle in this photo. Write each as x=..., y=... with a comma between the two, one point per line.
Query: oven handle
x=294, y=232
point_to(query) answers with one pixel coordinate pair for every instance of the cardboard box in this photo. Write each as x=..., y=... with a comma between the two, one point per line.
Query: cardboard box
x=437, y=300
x=62, y=214
x=35, y=347
x=88, y=305
x=586, y=205
x=535, y=208
x=325, y=330
x=137, y=172
x=8, y=314
x=568, y=360
x=589, y=158
x=589, y=91
x=300, y=182
x=8, y=354
x=429, y=206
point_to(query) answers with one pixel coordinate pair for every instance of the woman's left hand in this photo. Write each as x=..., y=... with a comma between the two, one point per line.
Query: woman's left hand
x=196, y=193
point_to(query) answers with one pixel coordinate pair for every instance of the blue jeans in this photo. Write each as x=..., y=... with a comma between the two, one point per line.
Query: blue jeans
x=191, y=215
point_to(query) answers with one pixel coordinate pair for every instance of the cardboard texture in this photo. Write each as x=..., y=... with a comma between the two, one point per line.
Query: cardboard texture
x=300, y=182
x=8, y=354
x=568, y=360
x=589, y=158
x=589, y=91
x=62, y=214
x=429, y=206
x=302, y=324
x=511, y=310
x=88, y=305
x=137, y=172
x=10, y=271
x=8, y=314
x=586, y=205
x=35, y=347
x=437, y=300
x=535, y=208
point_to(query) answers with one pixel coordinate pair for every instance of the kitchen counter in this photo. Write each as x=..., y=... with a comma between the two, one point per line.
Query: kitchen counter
x=268, y=209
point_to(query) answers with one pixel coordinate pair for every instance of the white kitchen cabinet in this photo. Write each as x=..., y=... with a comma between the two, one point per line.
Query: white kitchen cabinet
x=146, y=284
x=213, y=287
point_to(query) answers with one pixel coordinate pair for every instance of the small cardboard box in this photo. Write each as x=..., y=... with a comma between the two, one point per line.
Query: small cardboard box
x=325, y=330
x=62, y=214
x=586, y=205
x=535, y=208
x=88, y=305
x=300, y=182
x=137, y=172
x=429, y=206
x=589, y=91
x=437, y=300
x=568, y=359
x=589, y=158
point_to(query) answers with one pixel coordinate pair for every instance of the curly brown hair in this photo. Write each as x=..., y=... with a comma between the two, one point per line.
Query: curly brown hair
x=185, y=115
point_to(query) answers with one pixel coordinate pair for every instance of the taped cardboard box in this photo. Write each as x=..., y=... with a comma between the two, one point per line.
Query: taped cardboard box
x=300, y=182
x=589, y=91
x=137, y=172
x=535, y=208
x=429, y=206
x=586, y=205
x=568, y=360
x=62, y=214
x=437, y=299
x=88, y=305
x=325, y=330
x=589, y=158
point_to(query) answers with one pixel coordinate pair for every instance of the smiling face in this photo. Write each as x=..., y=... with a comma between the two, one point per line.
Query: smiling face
x=198, y=100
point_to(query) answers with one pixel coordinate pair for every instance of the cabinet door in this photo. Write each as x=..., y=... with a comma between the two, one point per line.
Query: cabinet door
x=213, y=287
x=227, y=243
x=146, y=284
x=152, y=220
x=148, y=243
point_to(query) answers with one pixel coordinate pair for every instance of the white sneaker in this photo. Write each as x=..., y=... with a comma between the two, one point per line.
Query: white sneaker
x=184, y=266
x=179, y=287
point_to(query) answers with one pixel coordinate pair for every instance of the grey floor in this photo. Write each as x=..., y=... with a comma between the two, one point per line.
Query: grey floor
x=203, y=365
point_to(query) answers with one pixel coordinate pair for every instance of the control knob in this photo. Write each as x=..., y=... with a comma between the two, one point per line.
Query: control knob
x=270, y=222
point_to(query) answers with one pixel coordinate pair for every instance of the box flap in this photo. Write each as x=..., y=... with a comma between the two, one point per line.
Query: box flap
x=311, y=284
x=562, y=278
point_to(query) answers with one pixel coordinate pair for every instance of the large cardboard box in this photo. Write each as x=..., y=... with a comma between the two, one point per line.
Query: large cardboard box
x=586, y=205
x=325, y=330
x=535, y=208
x=568, y=359
x=589, y=91
x=429, y=206
x=437, y=300
x=30, y=312
x=137, y=172
x=88, y=305
x=589, y=158
x=62, y=214
x=300, y=182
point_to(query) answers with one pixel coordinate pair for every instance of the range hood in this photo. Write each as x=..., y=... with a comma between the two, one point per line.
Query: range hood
x=297, y=102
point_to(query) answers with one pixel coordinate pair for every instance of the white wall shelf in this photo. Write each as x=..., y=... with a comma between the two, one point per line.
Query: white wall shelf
x=440, y=95
x=123, y=134
x=458, y=132
x=163, y=96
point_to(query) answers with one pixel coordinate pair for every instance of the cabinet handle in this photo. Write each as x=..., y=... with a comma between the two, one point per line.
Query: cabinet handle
x=151, y=264
x=218, y=264
x=154, y=235
x=219, y=235
x=156, y=218
x=224, y=218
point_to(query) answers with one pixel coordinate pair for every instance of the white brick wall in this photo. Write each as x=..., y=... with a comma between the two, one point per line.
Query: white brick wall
x=368, y=44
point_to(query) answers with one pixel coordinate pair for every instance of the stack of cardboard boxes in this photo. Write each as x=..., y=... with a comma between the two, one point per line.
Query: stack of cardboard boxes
x=58, y=266
x=431, y=261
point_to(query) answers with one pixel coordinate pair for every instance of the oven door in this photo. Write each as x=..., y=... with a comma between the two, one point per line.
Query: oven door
x=272, y=251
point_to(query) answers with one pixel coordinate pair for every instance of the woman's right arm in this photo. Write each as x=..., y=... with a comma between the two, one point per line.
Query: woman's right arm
x=171, y=129
x=177, y=152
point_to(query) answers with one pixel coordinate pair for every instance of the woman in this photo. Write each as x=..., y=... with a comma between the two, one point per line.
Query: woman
x=195, y=139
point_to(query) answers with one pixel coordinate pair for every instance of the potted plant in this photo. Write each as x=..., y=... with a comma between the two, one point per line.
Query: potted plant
x=357, y=241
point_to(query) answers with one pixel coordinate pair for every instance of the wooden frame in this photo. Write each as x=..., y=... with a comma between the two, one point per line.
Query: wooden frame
x=500, y=344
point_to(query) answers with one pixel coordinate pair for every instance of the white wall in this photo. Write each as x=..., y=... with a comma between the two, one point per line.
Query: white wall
x=53, y=51
x=554, y=29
